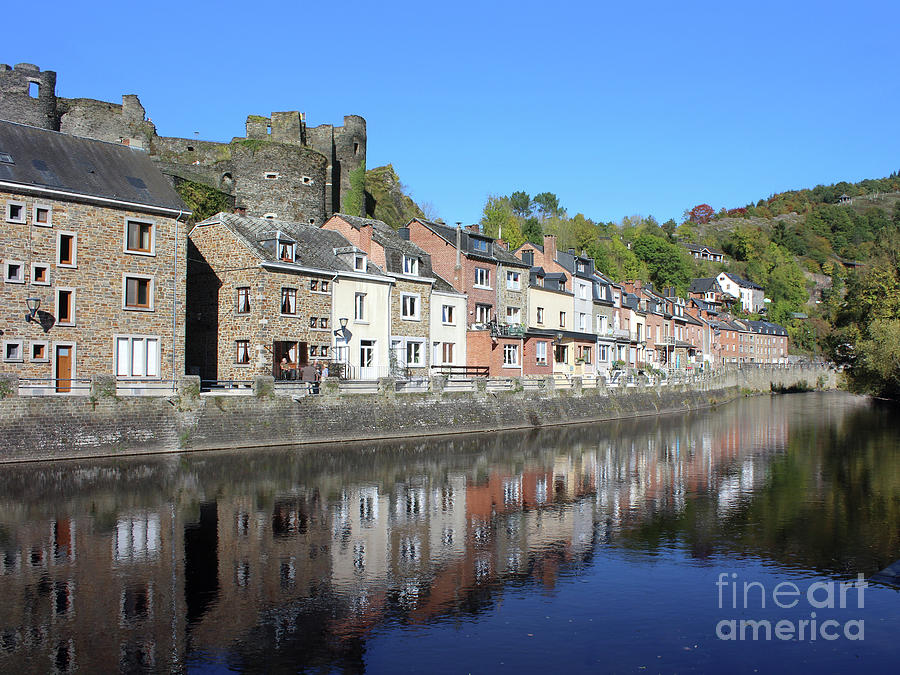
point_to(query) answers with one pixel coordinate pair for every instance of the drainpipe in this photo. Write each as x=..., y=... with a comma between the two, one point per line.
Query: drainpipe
x=175, y=297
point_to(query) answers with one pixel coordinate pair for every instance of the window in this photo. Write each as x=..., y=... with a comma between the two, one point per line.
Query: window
x=447, y=314
x=582, y=322
x=314, y=285
x=603, y=352
x=586, y=354
x=562, y=319
x=66, y=254
x=43, y=215
x=289, y=301
x=306, y=180
x=137, y=356
x=324, y=286
x=359, y=307
x=138, y=292
x=40, y=351
x=482, y=313
x=414, y=353
x=271, y=175
x=582, y=291
x=323, y=322
x=540, y=353
x=286, y=251
x=313, y=350
x=243, y=300
x=480, y=245
x=513, y=281
x=40, y=274
x=410, y=265
x=12, y=351
x=510, y=355
x=270, y=216
x=409, y=306
x=359, y=263
x=560, y=353
x=540, y=316
x=139, y=237
x=14, y=272
x=447, y=352
x=513, y=315
x=323, y=350
x=482, y=277
x=242, y=352
x=65, y=306
x=15, y=212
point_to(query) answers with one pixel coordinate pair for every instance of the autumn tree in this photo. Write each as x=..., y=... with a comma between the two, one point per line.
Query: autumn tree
x=701, y=214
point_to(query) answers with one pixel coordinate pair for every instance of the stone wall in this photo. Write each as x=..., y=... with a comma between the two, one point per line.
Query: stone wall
x=41, y=428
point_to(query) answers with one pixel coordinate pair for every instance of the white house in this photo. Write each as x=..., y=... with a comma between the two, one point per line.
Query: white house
x=752, y=297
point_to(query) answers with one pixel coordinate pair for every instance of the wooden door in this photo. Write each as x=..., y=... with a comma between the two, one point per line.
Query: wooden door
x=63, y=368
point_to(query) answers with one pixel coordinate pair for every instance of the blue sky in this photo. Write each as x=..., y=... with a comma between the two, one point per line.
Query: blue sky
x=618, y=108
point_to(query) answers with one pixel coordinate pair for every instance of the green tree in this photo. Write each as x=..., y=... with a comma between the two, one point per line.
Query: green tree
x=521, y=203
x=499, y=221
x=668, y=263
x=547, y=204
x=532, y=231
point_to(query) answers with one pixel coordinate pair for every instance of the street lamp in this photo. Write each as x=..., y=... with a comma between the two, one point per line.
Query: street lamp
x=33, y=304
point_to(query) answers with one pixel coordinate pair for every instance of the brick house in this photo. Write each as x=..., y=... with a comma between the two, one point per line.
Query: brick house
x=263, y=293
x=495, y=285
x=94, y=232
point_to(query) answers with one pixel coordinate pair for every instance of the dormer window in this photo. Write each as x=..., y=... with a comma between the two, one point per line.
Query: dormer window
x=271, y=175
x=359, y=262
x=480, y=245
x=286, y=251
x=410, y=265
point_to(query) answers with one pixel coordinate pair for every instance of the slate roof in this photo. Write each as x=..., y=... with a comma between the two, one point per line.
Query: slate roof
x=38, y=158
x=767, y=328
x=705, y=285
x=395, y=246
x=315, y=246
x=740, y=281
x=495, y=253
x=700, y=247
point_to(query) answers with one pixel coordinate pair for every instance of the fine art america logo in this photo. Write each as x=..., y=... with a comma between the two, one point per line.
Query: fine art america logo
x=746, y=597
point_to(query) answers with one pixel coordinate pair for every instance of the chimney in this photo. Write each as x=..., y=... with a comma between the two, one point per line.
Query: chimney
x=458, y=243
x=240, y=210
x=365, y=238
x=549, y=248
x=637, y=286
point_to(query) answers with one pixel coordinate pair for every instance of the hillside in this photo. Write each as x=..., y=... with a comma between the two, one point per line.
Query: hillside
x=386, y=199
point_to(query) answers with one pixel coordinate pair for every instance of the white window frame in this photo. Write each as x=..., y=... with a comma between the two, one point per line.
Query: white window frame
x=74, y=317
x=448, y=315
x=8, y=215
x=281, y=298
x=359, y=308
x=483, y=313
x=132, y=339
x=513, y=280
x=271, y=175
x=420, y=363
x=486, y=280
x=291, y=250
x=59, y=235
x=152, y=291
x=34, y=266
x=34, y=213
x=510, y=348
x=131, y=251
x=359, y=262
x=17, y=343
x=540, y=353
x=582, y=322
x=410, y=265
x=243, y=364
x=18, y=279
x=452, y=347
x=32, y=345
x=416, y=300
x=237, y=301
x=513, y=315
x=539, y=316
x=562, y=319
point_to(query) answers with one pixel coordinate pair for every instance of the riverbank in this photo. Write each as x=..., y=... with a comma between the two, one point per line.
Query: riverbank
x=44, y=428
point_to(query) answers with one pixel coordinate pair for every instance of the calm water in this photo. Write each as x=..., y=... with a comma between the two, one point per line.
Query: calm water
x=589, y=549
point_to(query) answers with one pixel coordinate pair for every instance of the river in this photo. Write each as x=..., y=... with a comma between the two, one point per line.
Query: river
x=632, y=546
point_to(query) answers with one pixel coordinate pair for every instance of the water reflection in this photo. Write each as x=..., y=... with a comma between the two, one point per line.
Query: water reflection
x=295, y=557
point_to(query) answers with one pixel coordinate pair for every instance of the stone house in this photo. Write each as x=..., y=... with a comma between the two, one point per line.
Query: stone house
x=268, y=296
x=751, y=296
x=92, y=239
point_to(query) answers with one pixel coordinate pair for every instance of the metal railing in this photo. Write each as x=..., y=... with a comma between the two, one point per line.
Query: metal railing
x=465, y=371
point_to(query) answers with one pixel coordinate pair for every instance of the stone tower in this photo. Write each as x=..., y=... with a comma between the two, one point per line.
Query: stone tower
x=28, y=96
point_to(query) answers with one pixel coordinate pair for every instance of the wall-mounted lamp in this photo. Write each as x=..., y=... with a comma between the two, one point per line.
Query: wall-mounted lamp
x=342, y=332
x=33, y=304
x=559, y=338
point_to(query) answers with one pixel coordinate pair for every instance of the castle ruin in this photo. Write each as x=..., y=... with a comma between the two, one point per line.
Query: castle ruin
x=281, y=169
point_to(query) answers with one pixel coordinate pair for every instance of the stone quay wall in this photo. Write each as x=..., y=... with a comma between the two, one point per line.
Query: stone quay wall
x=36, y=428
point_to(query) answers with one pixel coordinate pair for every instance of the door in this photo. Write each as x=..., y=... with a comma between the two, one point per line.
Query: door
x=63, y=368
x=367, y=369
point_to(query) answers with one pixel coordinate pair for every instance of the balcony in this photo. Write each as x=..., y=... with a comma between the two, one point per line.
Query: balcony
x=512, y=330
